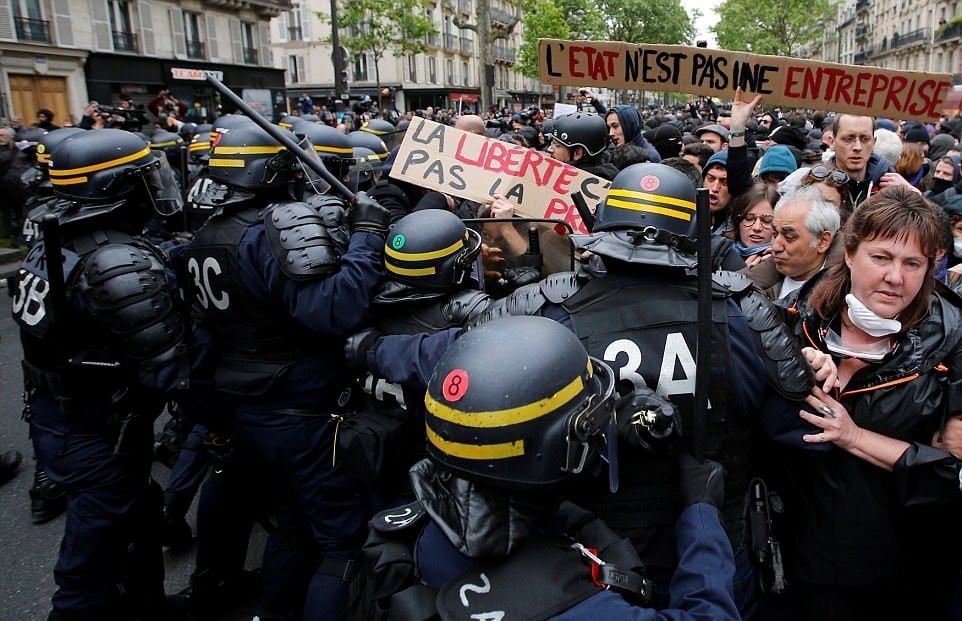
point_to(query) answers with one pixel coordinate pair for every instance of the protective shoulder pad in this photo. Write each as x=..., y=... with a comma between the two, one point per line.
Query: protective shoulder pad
x=735, y=282
x=464, y=305
x=787, y=370
x=125, y=287
x=300, y=241
x=399, y=518
x=559, y=287
x=526, y=300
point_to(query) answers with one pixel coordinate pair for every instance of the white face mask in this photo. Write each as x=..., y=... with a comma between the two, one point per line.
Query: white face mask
x=957, y=246
x=869, y=322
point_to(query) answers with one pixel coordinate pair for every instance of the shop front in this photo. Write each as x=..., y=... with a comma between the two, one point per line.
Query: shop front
x=110, y=77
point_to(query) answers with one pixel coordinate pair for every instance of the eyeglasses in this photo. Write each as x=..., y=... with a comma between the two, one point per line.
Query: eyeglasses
x=850, y=139
x=832, y=176
x=749, y=220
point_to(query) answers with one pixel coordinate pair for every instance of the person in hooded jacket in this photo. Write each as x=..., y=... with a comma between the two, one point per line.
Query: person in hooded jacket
x=625, y=126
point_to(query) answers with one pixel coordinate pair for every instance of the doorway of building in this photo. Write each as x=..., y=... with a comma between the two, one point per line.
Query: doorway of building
x=29, y=93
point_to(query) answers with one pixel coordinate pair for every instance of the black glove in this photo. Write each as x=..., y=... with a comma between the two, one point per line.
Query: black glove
x=367, y=215
x=357, y=345
x=701, y=482
x=646, y=420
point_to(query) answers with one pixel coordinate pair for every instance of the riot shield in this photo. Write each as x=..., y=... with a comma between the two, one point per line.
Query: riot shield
x=540, y=244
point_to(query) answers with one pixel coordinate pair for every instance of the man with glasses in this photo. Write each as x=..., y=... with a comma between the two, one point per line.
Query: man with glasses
x=854, y=144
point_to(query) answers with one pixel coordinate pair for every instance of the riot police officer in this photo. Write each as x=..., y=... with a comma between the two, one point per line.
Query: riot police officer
x=103, y=343
x=516, y=410
x=641, y=317
x=430, y=285
x=279, y=293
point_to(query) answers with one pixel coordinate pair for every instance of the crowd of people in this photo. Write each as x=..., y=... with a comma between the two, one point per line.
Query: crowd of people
x=432, y=418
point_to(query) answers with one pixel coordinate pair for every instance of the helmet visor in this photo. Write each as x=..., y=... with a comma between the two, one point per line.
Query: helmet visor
x=315, y=182
x=163, y=189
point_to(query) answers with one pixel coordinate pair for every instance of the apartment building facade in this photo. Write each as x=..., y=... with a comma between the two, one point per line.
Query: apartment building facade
x=450, y=74
x=59, y=54
x=916, y=35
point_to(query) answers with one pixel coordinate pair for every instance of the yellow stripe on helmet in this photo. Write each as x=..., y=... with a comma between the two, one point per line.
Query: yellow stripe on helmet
x=423, y=256
x=403, y=271
x=226, y=163
x=501, y=450
x=672, y=213
x=653, y=198
x=509, y=416
x=72, y=181
x=263, y=150
x=348, y=151
x=101, y=166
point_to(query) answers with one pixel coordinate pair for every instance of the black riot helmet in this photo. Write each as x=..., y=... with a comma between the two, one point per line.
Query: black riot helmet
x=385, y=130
x=226, y=123
x=431, y=250
x=37, y=176
x=247, y=157
x=331, y=146
x=648, y=216
x=187, y=131
x=582, y=129
x=107, y=170
x=369, y=141
x=366, y=169
x=292, y=123
x=169, y=143
x=517, y=403
x=199, y=148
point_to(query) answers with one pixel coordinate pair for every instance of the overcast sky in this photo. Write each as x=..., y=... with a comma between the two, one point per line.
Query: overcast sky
x=707, y=19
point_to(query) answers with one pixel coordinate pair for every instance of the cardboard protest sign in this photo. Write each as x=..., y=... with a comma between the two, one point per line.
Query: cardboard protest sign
x=474, y=167
x=854, y=89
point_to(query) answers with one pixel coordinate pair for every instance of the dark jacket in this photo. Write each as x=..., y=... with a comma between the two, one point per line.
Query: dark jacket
x=852, y=524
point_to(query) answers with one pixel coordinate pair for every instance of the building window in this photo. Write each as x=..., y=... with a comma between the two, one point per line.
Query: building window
x=192, y=35
x=295, y=68
x=125, y=39
x=247, y=40
x=449, y=71
x=465, y=74
x=360, y=67
x=29, y=22
x=295, y=30
x=412, y=68
x=432, y=70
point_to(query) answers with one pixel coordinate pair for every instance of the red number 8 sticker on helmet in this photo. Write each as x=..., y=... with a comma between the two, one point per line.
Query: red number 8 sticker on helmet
x=649, y=183
x=455, y=385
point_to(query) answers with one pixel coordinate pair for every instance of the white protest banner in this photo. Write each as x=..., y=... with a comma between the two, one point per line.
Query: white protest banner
x=561, y=109
x=855, y=89
x=474, y=167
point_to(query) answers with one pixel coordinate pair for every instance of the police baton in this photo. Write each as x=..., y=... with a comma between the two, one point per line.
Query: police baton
x=184, y=190
x=53, y=255
x=703, y=355
x=285, y=138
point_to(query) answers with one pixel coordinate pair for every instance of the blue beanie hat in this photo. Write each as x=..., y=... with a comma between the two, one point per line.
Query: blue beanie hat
x=718, y=159
x=778, y=159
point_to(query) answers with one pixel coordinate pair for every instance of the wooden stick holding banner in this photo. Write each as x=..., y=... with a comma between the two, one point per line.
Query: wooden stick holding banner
x=854, y=89
x=474, y=167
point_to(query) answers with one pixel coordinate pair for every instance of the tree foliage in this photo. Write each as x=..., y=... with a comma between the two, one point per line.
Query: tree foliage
x=377, y=27
x=635, y=21
x=542, y=19
x=779, y=29
x=647, y=21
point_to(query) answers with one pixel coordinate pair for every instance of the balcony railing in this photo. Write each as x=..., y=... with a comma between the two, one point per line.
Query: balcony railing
x=503, y=17
x=125, y=41
x=953, y=31
x=32, y=29
x=916, y=36
x=195, y=49
x=465, y=6
x=502, y=53
x=450, y=41
x=250, y=56
x=467, y=46
x=294, y=33
x=432, y=40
